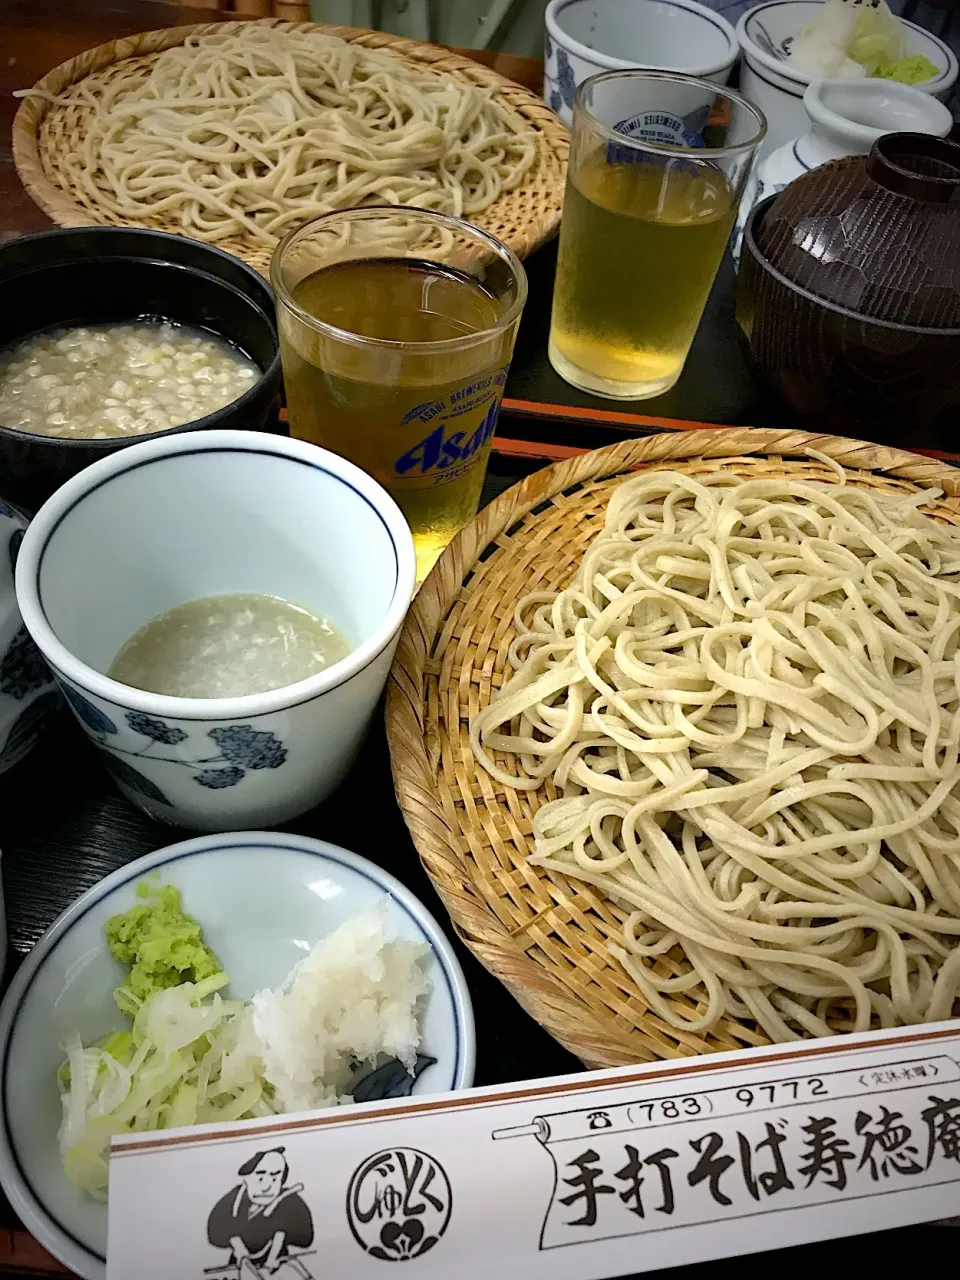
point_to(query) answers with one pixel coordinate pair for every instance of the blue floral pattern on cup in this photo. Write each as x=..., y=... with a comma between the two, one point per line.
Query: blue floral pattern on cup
x=240, y=748
x=22, y=669
x=566, y=78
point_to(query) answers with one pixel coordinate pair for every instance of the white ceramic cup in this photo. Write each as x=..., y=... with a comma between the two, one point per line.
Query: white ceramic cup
x=584, y=37
x=767, y=78
x=204, y=514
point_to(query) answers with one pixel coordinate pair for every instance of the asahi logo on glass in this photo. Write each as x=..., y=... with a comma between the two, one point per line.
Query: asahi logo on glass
x=398, y=362
x=452, y=447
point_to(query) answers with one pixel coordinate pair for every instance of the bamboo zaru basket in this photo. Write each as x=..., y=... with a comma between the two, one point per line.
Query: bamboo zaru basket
x=544, y=935
x=45, y=134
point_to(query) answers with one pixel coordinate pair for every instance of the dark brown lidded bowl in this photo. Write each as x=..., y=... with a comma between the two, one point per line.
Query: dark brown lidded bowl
x=91, y=275
x=849, y=290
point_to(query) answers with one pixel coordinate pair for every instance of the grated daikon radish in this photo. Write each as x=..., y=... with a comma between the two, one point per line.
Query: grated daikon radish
x=353, y=999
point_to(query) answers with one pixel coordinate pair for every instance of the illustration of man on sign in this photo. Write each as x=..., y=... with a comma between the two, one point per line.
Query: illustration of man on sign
x=263, y=1221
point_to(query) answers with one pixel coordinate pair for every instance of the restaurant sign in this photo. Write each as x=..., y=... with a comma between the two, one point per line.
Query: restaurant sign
x=579, y=1177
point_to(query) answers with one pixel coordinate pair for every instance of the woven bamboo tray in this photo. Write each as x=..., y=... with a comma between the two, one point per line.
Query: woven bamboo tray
x=542, y=934
x=523, y=218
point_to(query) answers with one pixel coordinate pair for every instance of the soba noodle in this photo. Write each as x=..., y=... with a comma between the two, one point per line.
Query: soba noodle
x=256, y=129
x=749, y=703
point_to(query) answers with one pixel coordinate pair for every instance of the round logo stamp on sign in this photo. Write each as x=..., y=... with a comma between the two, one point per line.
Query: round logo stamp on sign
x=399, y=1204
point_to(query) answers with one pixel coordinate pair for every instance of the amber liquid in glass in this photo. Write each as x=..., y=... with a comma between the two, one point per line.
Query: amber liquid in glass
x=419, y=421
x=640, y=246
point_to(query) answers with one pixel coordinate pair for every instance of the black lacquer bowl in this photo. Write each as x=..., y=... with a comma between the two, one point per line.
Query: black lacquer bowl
x=91, y=275
x=849, y=289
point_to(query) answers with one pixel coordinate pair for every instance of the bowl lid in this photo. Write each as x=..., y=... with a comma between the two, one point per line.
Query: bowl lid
x=877, y=234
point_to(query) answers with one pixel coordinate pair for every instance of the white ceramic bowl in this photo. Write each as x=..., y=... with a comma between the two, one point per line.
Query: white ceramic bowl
x=263, y=900
x=778, y=89
x=203, y=514
x=27, y=691
x=584, y=37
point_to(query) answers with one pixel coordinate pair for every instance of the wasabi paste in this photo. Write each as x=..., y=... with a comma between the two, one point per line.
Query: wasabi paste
x=162, y=945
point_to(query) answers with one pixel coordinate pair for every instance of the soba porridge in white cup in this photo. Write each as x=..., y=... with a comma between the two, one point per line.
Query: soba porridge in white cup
x=156, y=558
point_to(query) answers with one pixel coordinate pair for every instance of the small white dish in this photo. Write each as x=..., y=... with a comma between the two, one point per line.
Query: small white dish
x=584, y=37
x=263, y=900
x=768, y=79
x=211, y=513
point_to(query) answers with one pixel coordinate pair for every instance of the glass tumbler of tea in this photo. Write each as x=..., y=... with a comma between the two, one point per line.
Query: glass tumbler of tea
x=658, y=163
x=396, y=330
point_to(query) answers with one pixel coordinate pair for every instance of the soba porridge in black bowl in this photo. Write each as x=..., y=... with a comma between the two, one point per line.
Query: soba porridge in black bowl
x=110, y=335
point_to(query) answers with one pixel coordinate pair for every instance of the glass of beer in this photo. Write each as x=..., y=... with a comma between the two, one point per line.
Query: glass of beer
x=396, y=330
x=658, y=163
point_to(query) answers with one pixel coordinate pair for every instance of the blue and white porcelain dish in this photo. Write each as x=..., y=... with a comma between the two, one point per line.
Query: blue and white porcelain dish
x=28, y=693
x=263, y=900
x=203, y=514
x=583, y=37
x=768, y=79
